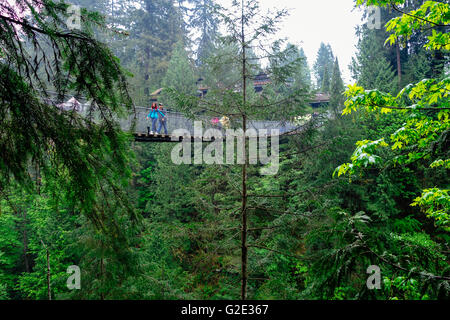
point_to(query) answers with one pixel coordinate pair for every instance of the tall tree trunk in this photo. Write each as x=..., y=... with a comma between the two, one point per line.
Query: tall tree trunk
x=244, y=248
x=102, y=295
x=49, y=288
x=399, y=65
x=38, y=178
x=25, y=241
x=102, y=272
x=438, y=62
x=112, y=12
x=244, y=215
x=147, y=76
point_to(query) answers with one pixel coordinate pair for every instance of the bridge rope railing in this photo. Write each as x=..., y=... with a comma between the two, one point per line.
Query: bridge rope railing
x=175, y=120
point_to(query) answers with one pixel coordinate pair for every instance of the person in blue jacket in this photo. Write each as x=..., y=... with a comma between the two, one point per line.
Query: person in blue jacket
x=153, y=115
x=162, y=119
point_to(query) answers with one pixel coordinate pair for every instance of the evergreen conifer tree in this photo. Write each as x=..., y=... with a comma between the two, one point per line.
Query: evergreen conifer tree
x=180, y=73
x=337, y=89
x=323, y=67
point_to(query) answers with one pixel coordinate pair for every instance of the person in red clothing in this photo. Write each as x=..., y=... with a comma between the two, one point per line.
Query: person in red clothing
x=154, y=116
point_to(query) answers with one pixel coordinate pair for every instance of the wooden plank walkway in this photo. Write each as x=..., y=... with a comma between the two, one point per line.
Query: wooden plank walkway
x=144, y=137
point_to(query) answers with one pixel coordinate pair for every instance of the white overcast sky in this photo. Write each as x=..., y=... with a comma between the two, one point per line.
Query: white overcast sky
x=313, y=21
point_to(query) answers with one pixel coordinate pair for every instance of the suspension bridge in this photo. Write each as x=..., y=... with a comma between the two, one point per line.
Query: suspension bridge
x=179, y=126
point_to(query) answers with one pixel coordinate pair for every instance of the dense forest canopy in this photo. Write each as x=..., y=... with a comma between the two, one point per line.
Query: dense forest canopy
x=361, y=184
